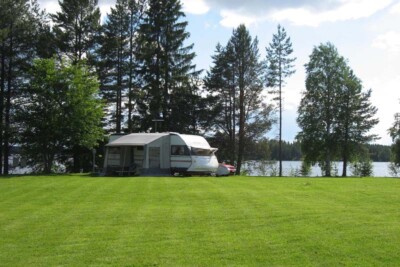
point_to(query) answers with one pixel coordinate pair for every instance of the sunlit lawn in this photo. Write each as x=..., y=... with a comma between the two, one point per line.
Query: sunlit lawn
x=235, y=221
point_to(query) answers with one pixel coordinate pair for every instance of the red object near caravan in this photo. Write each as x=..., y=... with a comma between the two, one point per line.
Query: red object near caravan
x=225, y=169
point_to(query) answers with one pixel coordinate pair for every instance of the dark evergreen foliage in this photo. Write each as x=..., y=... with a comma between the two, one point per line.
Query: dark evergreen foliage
x=280, y=67
x=75, y=28
x=220, y=82
x=237, y=78
x=379, y=153
x=21, y=26
x=166, y=69
x=117, y=63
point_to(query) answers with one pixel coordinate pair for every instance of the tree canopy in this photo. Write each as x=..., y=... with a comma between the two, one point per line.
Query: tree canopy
x=165, y=68
x=60, y=109
x=237, y=79
x=280, y=67
x=75, y=27
x=334, y=115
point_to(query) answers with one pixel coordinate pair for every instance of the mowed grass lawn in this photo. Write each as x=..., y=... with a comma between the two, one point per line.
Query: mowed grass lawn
x=197, y=221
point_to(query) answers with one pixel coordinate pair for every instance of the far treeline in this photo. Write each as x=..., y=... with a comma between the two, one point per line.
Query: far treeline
x=291, y=151
x=68, y=80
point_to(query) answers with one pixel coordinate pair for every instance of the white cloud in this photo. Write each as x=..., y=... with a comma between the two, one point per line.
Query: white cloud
x=385, y=97
x=389, y=41
x=50, y=6
x=197, y=7
x=261, y=6
x=302, y=13
x=104, y=10
x=395, y=9
x=348, y=10
x=232, y=19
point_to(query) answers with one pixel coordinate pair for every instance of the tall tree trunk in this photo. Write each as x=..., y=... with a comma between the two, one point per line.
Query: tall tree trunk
x=328, y=152
x=241, y=129
x=344, y=172
x=328, y=104
x=130, y=85
x=8, y=105
x=77, y=154
x=167, y=85
x=280, y=123
x=328, y=164
x=2, y=88
x=345, y=151
x=233, y=140
x=346, y=139
x=119, y=92
x=48, y=162
x=165, y=101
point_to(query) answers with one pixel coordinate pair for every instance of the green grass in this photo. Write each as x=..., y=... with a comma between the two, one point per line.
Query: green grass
x=235, y=221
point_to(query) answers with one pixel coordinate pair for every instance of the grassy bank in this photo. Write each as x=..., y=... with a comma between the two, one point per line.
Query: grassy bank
x=235, y=221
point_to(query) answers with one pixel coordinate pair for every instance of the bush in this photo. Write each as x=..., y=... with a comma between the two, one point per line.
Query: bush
x=362, y=168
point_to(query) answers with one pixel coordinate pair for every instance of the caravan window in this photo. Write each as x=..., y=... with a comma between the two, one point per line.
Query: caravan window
x=201, y=152
x=180, y=151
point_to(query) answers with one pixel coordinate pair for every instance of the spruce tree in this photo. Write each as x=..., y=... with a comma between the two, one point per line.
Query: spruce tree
x=355, y=118
x=75, y=28
x=220, y=81
x=166, y=67
x=136, y=12
x=116, y=60
x=280, y=67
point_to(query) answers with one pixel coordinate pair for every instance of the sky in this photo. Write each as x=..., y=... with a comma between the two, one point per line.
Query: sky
x=365, y=32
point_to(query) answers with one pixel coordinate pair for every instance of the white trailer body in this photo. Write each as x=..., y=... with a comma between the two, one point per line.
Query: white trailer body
x=159, y=153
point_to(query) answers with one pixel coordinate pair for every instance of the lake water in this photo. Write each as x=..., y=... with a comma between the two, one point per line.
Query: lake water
x=291, y=168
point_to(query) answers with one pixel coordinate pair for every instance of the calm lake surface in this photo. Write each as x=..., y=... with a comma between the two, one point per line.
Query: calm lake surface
x=291, y=168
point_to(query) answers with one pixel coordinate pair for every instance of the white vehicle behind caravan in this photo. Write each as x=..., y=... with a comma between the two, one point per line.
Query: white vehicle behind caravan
x=159, y=153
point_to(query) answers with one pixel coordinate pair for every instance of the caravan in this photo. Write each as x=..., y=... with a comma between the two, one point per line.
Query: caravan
x=159, y=154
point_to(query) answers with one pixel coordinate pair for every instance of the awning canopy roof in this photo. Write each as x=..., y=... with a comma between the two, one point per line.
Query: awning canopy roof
x=137, y=139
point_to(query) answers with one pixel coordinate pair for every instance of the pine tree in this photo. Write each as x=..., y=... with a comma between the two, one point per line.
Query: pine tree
x=75, y=28
x=136, y=11
x=20, y=26
x=166, y=65
x=117, y=61
x=114, y=58
x=237, y=79
x=220, y=81
x=280, y=67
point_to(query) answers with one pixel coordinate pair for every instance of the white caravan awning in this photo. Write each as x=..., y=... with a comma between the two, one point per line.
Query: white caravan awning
x=136, y=139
